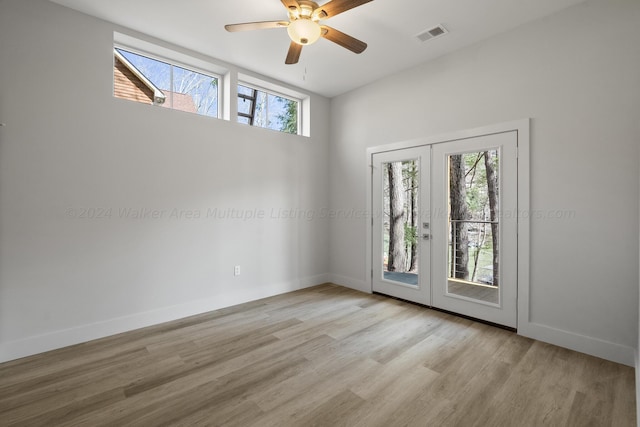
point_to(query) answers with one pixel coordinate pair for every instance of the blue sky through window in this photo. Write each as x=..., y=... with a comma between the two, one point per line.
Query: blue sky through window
x=195, y=92
x=270, y=111
x=186, y=90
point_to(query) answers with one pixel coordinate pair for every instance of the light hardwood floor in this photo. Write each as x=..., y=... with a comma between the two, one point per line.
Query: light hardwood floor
x=325, y=356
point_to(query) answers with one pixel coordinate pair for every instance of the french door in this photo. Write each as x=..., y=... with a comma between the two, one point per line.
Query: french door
x=401, y=225
x=444, y=229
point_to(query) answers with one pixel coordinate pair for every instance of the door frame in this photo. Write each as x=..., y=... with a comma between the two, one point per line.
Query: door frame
x=522, y=129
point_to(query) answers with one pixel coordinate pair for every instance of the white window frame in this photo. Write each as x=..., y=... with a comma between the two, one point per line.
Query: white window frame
x=228, y=75
x=173, y=58
x=278, y=89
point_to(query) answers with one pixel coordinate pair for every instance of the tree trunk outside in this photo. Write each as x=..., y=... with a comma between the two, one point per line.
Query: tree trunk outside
x=414, y=217
x=397, y=256
x=459, y=211
x=492, y=190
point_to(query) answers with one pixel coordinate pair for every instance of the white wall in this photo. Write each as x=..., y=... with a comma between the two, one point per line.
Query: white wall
x=68, y=145
x=576, y=74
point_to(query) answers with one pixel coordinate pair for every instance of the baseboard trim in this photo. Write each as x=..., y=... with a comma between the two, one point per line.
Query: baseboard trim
x=307, y=282
x=58, y=339
x=348, y=282
x=638, y=386
x=63, y=338
x=584, y=344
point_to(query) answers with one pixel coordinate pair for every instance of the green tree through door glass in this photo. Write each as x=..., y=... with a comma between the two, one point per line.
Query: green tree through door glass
x=400, y=222
x=474, y=203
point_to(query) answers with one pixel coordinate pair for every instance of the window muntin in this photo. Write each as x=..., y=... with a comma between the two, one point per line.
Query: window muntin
x=174, y=86
x=268, y=110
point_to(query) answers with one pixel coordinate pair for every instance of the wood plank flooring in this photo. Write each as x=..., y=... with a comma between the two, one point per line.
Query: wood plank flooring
x=324, y=356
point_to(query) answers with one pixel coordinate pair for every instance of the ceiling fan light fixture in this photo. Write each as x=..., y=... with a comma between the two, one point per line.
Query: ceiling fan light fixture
x=304, y=31
x=304, y=27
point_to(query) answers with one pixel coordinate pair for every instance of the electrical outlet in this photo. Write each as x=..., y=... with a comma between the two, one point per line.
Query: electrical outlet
x=236, y=270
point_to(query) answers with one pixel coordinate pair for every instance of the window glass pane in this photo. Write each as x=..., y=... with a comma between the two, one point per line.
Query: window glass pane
x=274, y=111
x=270, y=111
x=261, y=118
x=159, y=73
x=400, y=247
x=245, y=90
x=244, y=120
x=195, y=92
x=474, y=200
x=284, y=115
x=244, y=106
x=147, y=80
x=291, y=115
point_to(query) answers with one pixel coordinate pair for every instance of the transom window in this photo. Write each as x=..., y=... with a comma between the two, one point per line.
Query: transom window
x=268, y=110
x=148, y=80
x=188, y=81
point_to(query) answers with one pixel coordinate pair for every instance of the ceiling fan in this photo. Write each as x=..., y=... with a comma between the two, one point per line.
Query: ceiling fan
x=304, y=26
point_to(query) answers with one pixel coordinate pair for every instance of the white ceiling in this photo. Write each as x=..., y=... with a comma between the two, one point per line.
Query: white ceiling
x=388, y=26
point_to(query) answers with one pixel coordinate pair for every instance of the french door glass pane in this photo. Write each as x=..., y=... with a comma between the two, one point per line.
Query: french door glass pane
x=400, y=251
x=474, y=203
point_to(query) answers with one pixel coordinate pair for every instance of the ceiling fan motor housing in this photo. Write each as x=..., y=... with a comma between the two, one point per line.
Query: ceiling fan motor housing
x=304, y=27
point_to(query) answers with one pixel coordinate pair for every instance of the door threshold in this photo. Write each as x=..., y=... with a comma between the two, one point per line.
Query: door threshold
x=475, y=319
